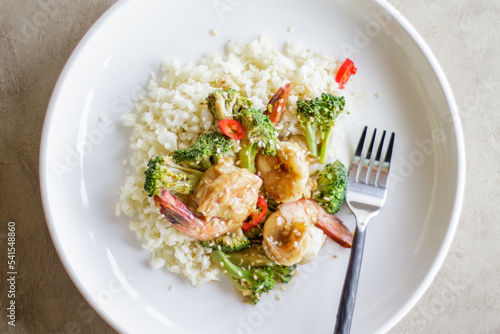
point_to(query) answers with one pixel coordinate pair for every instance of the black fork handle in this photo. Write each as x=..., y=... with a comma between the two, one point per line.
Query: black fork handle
x=348, y=297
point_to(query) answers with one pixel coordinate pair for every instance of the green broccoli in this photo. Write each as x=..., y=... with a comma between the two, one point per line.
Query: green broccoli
x=317, y=117
x=227, y=243
x=163, y=172
x=256, y=257
x=252, y=282
x=205, y=151
x=331, y=186
x=260, y=134
x=255, y=234
x=224, y=104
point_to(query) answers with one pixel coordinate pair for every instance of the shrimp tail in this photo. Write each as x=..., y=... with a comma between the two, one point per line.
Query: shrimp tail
x=277, y=103
x=178, y=214
x=335, y=230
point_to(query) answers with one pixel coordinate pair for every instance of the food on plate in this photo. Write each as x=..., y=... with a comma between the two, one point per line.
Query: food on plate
x=206, y=150
x=318, y=116
x=285, y=174
x=330, y=186
x=232, y=165
x=261, y=136
x=344, y=73
x=277, y=103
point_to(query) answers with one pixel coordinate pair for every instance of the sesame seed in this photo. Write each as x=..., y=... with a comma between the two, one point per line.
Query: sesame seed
x=240, y=274
x=221, y=264
x=295, y=244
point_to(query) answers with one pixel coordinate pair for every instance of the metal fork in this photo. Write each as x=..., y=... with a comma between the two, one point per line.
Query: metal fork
x=366, y=193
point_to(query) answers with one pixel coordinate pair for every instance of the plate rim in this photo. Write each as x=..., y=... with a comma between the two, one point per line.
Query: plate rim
x=461, y=165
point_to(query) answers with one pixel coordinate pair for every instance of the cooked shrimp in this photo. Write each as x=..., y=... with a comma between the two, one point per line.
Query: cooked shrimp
x=227, y=192
x=284, y=175
x=225, y=195
x=277, y=103
x=291, y=233
x=301, y=140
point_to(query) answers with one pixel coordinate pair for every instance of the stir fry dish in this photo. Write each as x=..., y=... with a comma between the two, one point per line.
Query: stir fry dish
x=249, y=195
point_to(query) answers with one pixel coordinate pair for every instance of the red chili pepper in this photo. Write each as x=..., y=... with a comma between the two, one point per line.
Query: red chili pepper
x=345, y=71
x=256, y=216
x=277, y=103
x=232, y=128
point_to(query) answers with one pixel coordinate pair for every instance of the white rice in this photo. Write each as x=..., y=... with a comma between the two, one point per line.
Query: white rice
x=173, y=114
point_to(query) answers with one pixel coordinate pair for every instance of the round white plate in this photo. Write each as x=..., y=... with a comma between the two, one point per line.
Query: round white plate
x=399, y=87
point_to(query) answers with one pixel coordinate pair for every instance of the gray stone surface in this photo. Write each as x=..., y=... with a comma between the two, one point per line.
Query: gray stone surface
x=38, y=36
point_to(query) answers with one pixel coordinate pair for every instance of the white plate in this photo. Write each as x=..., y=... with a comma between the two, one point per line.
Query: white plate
x=399, y=87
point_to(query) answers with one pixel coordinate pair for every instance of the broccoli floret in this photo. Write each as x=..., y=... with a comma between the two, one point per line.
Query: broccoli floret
x=255, y=256
x=283, y=274
x=163, y=172
x=206, y=150
x=255, y=234
x=227, y=243
x=252, y=282
x=317, y=117
x=331, y=186
x=260, y=134
x=223, y=104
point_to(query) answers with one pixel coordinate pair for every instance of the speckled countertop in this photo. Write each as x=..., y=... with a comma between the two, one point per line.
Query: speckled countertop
x=38, y=36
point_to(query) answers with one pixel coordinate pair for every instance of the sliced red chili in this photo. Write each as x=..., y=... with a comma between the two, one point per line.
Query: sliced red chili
x=232, y=128
x=256, y=216
x=344, y=73
x=278, y=102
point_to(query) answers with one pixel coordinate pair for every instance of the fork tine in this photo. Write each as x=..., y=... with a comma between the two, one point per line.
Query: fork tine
x=357, y=156
x=367, y=161
x=382, y=182
x=375, y=171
